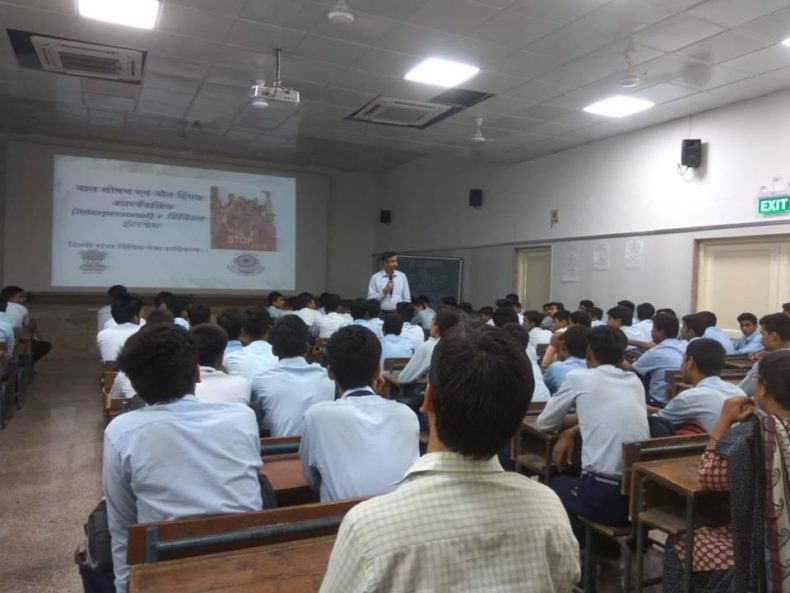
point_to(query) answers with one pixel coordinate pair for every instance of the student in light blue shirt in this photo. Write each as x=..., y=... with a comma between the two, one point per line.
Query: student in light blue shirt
x=256, y=357
x=775, y=330
x=424, y=314
x=359, y=312
x=714, y=333
x=393, y=345
x=571, y=355
x=231, y=321
x=360, y=444
x=644, y=324
x=277, y=304
x=177, y=457
x=702, y=367
x=596, y=317
x=752, y=340
x=7, y=335
x=666, y=355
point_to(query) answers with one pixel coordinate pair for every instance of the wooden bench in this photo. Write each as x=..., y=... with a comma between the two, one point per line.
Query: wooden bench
x=284, y=472
x=738, y=361
x=675, y=384
x=279, y=445
x=197, y=536
x=531, y=449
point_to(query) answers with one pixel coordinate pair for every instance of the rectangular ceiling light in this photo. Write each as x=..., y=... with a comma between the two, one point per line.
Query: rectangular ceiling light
x=441, y=72
x=141, y=14
x=619, y=106
x=786, y=42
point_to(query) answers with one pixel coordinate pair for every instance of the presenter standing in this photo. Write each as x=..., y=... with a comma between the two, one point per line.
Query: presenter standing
x=388, y=285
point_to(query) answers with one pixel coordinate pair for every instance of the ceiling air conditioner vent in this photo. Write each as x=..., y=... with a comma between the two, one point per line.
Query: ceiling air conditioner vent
x=401, y=112
x=88, y=59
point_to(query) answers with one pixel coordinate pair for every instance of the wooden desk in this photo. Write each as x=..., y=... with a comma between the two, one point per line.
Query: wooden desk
x=668, y=478
x=393, y=387
x=738, y=363
x=533, y=448
x=285, y=475
x=293, y=567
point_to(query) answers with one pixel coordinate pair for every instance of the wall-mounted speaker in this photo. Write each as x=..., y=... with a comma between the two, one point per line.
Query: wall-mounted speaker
x=691, y=153
x=385, y=216
x=476, y=198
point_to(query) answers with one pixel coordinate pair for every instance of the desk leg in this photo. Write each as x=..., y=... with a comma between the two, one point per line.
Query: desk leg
x=547, y=469
x=689, y=560
x=640, y=534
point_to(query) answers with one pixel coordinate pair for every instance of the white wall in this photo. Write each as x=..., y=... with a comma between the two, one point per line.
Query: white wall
x=329, y=205
x=627, y=185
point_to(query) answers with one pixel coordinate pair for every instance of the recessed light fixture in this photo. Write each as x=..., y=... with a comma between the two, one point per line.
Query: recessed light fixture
x=619, y=106
x=141, y=14
x=441, y=72
x=341, y=14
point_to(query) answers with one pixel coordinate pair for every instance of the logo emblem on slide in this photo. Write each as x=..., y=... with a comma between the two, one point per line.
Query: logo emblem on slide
x=245, y=264
x=92, y=261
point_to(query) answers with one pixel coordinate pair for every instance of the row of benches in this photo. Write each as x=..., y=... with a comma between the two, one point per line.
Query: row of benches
x=16, y=374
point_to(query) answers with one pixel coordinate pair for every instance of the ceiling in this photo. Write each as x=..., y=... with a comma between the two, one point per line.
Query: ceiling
x=543, y=59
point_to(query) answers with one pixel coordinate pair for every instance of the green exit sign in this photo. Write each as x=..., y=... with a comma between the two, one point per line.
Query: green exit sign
x=773, y=205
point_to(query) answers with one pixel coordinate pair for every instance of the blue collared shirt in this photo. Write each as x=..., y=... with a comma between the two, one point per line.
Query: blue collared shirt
x=358, y=446
x=702, y=402
x=231, y=347
x=393, y=346
x=664, y=356
x=249, y=362
x=555, y=374
x=374, y=327
x=750, y=343
x=182, y=458
x=424, y=318
x=7, y=337
x=714, y=333
x=283, y=394
x=400, y=290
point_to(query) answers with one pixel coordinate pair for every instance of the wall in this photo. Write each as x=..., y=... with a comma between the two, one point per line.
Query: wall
x=622, y=186
x=320, y=195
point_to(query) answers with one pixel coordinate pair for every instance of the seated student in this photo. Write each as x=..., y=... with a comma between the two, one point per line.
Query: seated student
x=571, y=354
x=541, y=392
x=420, y=363
x=179, y=307
x=359, y=314
x=177, y=457
x=585, y=305
x=457, y=521
x=745, y=456
x=562, y=321
x=666, y=355
x=198, y=313
x=412, y=332
x=610, y=411
x=467, y=308
x=484, y=315
x=393, y=344
x=449, y=301
x=596, y=317
x=327, y=324
x=360, y=444
x=702, y=367
x=215, y=386
x=514, y=300
x=423, y=315
x=630, y=306
x=537, y=335
x=714, y=333
x=283, y=393
x=775, y=330
x=256, y=357
x=305, y=307
x=666, y=310
x=121, y=386
x=786, y=309
x=373, y=314
x=7, y=335
x=126, y=313
x=580, y=319
x=16, y=312
x=644, y=325
x=103, y=315
x=344, y=310
x=693, y=327
x=276, y=306
x=231, y=320
x=162, y=300
x=553, y=308
x=752, y=340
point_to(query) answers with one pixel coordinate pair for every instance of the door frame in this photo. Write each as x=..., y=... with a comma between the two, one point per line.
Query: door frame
x=517, y=249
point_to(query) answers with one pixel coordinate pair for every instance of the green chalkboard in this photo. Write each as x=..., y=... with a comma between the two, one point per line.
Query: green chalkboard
x=435, y=277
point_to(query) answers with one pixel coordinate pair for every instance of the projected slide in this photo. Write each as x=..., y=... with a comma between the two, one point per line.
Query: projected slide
x=160, y=226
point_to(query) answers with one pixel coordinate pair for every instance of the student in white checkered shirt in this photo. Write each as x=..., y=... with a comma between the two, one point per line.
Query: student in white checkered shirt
x=458, y=521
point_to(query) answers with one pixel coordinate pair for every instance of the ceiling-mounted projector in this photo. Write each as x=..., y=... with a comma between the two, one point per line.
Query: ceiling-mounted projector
x=261, y=93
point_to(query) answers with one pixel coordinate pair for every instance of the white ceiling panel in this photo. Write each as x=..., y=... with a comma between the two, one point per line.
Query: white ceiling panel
x=559, y=11
x=194, y=23
x=453, y=16
x=763, y=60
x=723, y=47
x=283, y=13
x=703, y=76
x=513, y=30
x=264, y=37
x=677, y=32
x=774, y=27
x=331, y=50
x=526, y=65
x=414, y=40
x=731, y=13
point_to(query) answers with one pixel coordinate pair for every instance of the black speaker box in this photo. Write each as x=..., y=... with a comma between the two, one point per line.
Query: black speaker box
x=691, y=153
x=385, y=216
x=476, y=198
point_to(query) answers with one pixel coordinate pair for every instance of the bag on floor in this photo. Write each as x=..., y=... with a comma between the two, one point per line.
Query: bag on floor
x=94, y=555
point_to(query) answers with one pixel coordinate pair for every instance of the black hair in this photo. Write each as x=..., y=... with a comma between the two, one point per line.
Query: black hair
x=513, y=298
x=373, y=308
x=785, y=306
x=273, y=296
x=353, y=354
x=160, y=362
x=163, y=298
x=393, y=324
x=750, y=317
x=289, y=336
x=177, y=305
x=667, y=311
x=10, y=292
x=504, y=303
x=595, y=313
x=558, y=306
x=331, y=302
x=628, y=304
x=581, y=318
x=708, y=356
x=481, y=384
x=123, y=310
x=519, y=334
x=708, y=318
x=117, y=291
x=695, y=323
x=423, y=299
x=467, y=308
x=623, y=314
x=666, y=324
x=777, y=323
x=504, y=315
x=405, y=310
x=586, y=303
x=231, y=321
x=607, y=344
x=385, y=255
x=159, y=316
x=199, y=313
x=575, y=340
x=561, y=315
x=774, y=374
x=534, y=317
x=486, y=311
x=256, y=323
x=450, y=301
x=210, y=340
x=358, y=309
x=445, y=318
x=303, y=299
x=645, y=311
